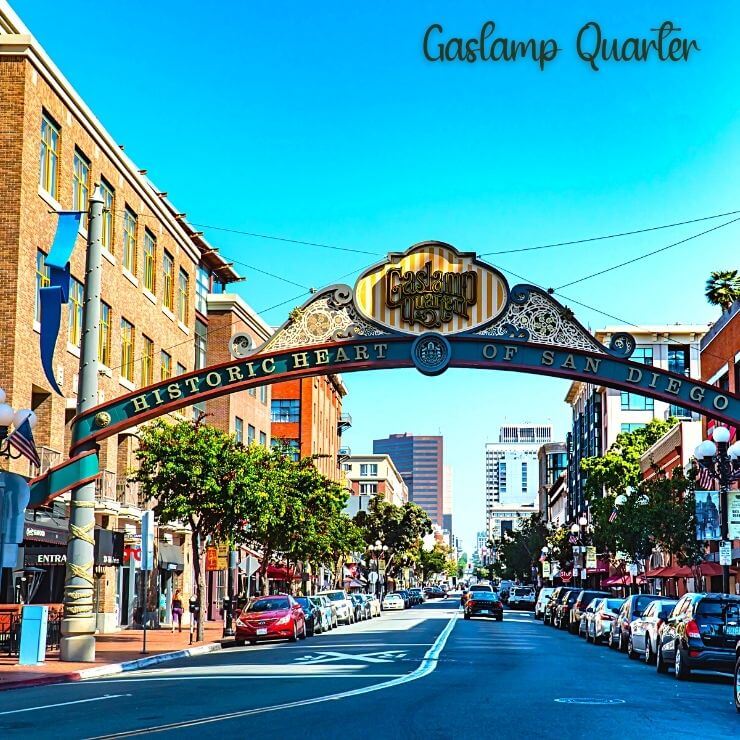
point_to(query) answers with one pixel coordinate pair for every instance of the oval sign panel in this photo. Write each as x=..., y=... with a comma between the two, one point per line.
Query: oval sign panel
x=431, y=287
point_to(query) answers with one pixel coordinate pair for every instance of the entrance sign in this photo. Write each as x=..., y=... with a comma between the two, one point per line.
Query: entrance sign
x=429, y=308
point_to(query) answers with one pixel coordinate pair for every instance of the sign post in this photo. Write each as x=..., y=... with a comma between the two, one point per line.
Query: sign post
x=147, y=564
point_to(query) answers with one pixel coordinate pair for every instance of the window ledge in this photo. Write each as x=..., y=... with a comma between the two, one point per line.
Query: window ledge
x=130, y=277
x=150, y=296
x=166, y=311
x=126, y=383
x=108, y=256
x=105, y=370
x=50, y=199
x=183, y=328
x=73, y=349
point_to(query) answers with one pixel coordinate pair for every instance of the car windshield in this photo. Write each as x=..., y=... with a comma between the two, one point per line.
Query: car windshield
x=269, y=605
x=522, y=591
x=614, y=603
x=303, y=601
x=314, y=600
x=666, y=609
x=642, y=603
x=485, y=596
x=392, y=597
x=337, y=596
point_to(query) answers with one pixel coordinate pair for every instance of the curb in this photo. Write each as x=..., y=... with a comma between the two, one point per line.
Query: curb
x=111, y=669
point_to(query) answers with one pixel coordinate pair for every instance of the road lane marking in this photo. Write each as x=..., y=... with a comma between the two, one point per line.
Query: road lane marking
x=65, y=703
x=427, y=666
x=387, y=656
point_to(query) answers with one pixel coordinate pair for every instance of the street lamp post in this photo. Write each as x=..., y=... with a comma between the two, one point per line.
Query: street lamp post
x=722, y=462
x=578, y=529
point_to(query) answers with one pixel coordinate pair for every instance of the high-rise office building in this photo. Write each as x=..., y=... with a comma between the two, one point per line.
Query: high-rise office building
x=419, y=460
x=447, y=500
x=511, y=466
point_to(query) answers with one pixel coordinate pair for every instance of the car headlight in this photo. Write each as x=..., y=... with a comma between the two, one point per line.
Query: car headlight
x=284, y=620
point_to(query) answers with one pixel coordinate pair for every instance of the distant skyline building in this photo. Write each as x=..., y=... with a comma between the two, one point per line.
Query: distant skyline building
x=447, y=499
x=419, y=460
x=512, y=475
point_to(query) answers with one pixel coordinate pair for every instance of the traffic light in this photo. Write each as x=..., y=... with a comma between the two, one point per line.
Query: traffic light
x=15, y=494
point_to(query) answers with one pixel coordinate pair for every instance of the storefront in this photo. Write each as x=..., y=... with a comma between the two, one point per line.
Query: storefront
x=39, y=575
x=108, y=555
x=171, y=562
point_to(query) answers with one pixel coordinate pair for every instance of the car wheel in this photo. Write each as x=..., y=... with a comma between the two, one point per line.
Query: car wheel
x=631, y=653
x=649, y=657
x=620, y=643
x=500, y=618
x=611, y=640
x=737, y=684
x=660, y=664
x=682, y=671
x=238, y=642
x=295, y=633
x=466, y=616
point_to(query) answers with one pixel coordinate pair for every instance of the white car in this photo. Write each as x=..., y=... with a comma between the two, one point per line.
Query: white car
x=542, y=597
x=521, y=597
x=341, y=600
x=374, y=602
x=392, y=601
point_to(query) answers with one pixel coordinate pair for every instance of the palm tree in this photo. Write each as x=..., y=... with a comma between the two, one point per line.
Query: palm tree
x=723, y=288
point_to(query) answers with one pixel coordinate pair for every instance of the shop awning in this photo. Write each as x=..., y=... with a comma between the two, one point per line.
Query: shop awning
x=170, y=557
x=622, y=580
x=279, y=573
x=655, y=572
x=674, y=571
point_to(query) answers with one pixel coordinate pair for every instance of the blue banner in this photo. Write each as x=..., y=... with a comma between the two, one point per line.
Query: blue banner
x=57, y=292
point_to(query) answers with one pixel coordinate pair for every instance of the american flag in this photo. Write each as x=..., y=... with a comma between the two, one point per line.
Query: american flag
x=22, y=440
x=573, y=539
x=613, y=516
x=704, y=479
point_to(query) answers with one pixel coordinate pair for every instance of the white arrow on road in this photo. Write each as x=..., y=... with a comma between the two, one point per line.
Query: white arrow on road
x=387, y=656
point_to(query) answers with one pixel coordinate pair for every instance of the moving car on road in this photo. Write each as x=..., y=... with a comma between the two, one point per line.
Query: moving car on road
x=643, y=639
x=542, y=598
x=312, y=614
x=393, y=601
x=603, y=620
x=484, y=603
x=271, y=618
x=632, y=608
x=522, y=597
x=700, y=633
x=342, y=602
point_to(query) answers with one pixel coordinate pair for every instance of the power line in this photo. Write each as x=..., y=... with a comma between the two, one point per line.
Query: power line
x=647, y=254
x=612, y=236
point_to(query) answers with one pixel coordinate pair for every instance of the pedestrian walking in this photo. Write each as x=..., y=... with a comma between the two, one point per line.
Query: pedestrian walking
x=177, y=610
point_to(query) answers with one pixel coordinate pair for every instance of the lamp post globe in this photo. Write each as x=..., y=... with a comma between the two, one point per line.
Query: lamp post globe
x=583, y=521
x=6, y=414
x=25, y=415
x=721, y=435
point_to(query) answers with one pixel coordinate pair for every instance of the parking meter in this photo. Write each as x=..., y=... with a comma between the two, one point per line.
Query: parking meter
x=194, y=609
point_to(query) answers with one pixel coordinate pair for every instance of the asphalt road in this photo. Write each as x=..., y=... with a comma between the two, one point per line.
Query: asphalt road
x=421, y=673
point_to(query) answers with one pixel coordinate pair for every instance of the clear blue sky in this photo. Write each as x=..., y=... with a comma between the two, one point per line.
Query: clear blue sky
x=322, y=121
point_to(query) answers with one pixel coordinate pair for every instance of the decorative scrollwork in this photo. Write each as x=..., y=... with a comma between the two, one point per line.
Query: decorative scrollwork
x=341, y=297
x=622, y=344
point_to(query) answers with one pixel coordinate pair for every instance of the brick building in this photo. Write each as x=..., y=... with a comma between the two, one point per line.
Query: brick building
x=160, y=315
x=307, y=416
x=373, y=475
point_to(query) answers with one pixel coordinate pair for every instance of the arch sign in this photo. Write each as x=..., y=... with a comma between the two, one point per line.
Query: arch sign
x=428, y=308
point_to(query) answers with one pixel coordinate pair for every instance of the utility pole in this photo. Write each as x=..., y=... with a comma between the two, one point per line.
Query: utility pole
x=78, y=623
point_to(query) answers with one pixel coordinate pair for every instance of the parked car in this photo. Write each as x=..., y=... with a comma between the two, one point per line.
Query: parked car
x=584, y=628
x=332, y=607
x=418, y=595
x=393, y=601
x=362, y=608
x=435, y=592
x=373, y=603
x=700, y=633
x=557, y=607
x=328, y=614
x=580, y=605
x=564, y=607
x=643, y=639
x=484, y=603
x=737, y=676
x=406, y=596
x=312, y=613
x=603, y=620
x=522, y=597
x=343, y=604
x=542, y=598
x=550, y=604
x=270, y=618
x=632, y=609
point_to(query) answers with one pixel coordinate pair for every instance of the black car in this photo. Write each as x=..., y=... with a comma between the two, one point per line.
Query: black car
x=556, y=611
x=484, y=603
x=701, y=633
x=417, y=594
x=633, y=608
x=564, y=608
x=313, y=615
x=579, y=607
x=434, y=592
x=548, y=614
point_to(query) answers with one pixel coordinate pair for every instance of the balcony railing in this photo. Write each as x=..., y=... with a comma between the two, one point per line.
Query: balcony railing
x=49, y=458
x=105, y=486
x=127, y=492
x=344, y=422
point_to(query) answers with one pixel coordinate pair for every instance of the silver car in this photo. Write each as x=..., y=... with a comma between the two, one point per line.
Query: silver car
x=328, y=615
x=584, y=626
x=604, y=618
x=343, y=603
x=643, y=639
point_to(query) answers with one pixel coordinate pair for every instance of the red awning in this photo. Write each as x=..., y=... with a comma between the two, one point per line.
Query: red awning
x=279, y=573
x=622, y=580
x=710, y=569
x=673, y=571
x=655, y=572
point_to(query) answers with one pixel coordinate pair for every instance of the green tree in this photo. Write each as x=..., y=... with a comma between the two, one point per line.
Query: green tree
x=723, y=288
x=432, y=562
x=520, y=550
x=192, y=472
x=461, y=564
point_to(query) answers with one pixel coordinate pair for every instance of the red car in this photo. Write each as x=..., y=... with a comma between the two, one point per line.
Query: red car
x=271, y=618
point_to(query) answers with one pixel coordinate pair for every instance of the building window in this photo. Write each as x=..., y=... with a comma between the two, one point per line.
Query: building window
x=524, y=477
x=165, y=363
x=49, y=155
x=251, y=434
x=168, y=274
x=181, y=369
x=147, y=362
x=635, y=402
x=201, y=344
x=239, y=429
x=109, y=200
x=150, y=260
x=80, y=185
x=183, y=293
x=129, y=241
x=293, y=447
x=76, y=299
x=252, y=392
x=285, y=410
x=368, y=489
x=369, y=470
x=263, y=394
x=42, y=281
x=679, y=412
x=263, y=439
x=104, y=335
x=629, y=428
x=678, y=360
x=643, y=355
x=502, y=477
x=127, y=350
x=199, y=410
x=202, y=289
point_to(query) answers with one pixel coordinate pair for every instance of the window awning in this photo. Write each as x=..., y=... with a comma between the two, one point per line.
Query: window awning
x=170, y=557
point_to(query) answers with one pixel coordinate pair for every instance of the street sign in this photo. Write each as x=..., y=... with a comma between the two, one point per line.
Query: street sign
x=725, y=553
x=590, y=557
x=211, y=559
x=147, y=540
x=250, y=565
x=546, y=569
x=733, y=515
x=373, y=577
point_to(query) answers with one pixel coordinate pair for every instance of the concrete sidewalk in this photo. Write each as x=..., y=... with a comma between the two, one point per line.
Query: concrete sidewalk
x=115, y=653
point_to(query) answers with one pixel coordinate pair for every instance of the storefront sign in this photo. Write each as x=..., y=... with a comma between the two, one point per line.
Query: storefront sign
x=546, y=569
x=40, y=533
x=222, y=552
x=108, y=547
x=41, y=556
x=733, y=509
x=212, y=559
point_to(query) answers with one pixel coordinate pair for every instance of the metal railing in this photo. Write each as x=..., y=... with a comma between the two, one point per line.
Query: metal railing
x=127, y=492
x=105, y=486
x=49, y=458
x=10, y=631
